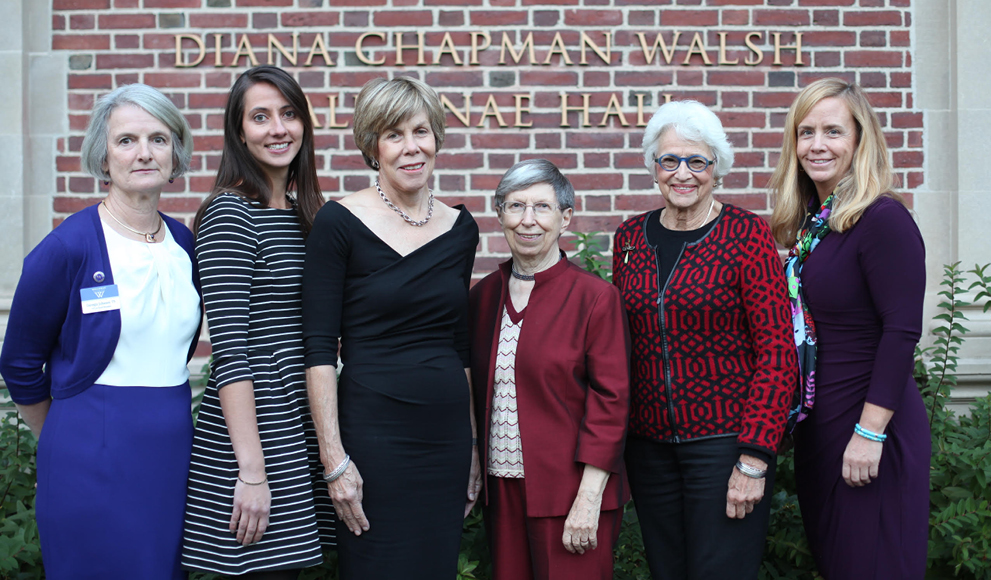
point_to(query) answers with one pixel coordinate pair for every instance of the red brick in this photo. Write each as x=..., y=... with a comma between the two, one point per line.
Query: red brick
x=82, y=21
x=594, y=140
x=735, y=99
x=690, y=78
x=736, y=2
x=906, y=120
x=748, y=159
x=826, y=17
x=782, y=100
x=593, y=18
x=747, y=201
x=914, y=139
x=739, y=119
x=82, y=184
x=778, y=17
x=894, y=140
x=772, y=140
x=589, y=223
x=173, y=79
x=265, y=3
x=66, y=163
x=518, y=141
x=80, y=4
x=80, y=102
x=456, y=78
x=872, y=58
x=884, y=100
x=915, y=180
x=81, y=41
x=828, y=38
x=173, y=4
x=736, y=78
x=873, y=80
x=90, y=81
x=873, y=18
x=120, y=21
x=637, y=203
x=826, y=2
x=735, y=17
x=907, y=158
x=595, y=181
x=406, y=19
x=901, y=38
x=689, y=18
x=105, y=61
x=317, y=18
x=561, y=160
x=213, y=21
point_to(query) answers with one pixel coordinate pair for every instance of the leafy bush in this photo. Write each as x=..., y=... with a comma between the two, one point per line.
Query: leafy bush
x=960, y=516
x=20, y=549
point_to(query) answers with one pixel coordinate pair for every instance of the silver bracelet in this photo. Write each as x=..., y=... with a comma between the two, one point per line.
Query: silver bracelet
x=750, y=471
x=338, y=471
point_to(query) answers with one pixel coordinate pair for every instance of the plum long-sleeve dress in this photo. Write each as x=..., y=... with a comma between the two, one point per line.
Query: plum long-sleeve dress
x=865, y=289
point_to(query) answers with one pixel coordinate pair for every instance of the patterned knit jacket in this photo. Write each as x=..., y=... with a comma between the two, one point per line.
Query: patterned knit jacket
x=714, y=355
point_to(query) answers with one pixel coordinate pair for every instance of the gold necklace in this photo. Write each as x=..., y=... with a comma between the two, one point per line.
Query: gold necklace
x=701, y=223
x=149, y=236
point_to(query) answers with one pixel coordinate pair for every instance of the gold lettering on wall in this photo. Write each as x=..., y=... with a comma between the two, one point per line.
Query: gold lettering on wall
x=565, y=108
x=360, y=50
x=588, y=42
x=179, y=63
x=244, y=48
x=508, y=45
x=274, y=42
x=648, y=53
x=662, y=50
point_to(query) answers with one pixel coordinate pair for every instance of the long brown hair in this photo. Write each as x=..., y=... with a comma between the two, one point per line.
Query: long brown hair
x=240, y=173
x=869, y=177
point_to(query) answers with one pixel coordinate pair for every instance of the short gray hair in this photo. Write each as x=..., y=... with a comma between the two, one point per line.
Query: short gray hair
x=152, y=101
x=526, y=174
x=692, y=121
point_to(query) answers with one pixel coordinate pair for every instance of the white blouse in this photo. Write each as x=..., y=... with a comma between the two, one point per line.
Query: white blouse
x=159, y=311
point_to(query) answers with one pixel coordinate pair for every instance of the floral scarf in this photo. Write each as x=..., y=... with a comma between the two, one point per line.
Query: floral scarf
x=813, y=231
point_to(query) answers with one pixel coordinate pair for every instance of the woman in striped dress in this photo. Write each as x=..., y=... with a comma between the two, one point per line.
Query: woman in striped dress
x=251, y=508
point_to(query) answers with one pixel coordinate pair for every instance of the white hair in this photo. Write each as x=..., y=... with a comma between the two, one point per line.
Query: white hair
x=692, y=121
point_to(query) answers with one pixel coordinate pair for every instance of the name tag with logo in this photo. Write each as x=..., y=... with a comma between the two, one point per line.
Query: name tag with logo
x=100, y=299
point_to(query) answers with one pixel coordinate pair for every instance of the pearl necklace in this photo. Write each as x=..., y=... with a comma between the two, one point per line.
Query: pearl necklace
x=404, y=215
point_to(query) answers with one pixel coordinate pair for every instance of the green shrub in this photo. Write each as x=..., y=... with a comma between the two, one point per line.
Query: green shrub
x=960, y=516
x=20, y=550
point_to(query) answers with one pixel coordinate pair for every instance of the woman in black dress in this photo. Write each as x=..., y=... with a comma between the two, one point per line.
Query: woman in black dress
x=387, y=273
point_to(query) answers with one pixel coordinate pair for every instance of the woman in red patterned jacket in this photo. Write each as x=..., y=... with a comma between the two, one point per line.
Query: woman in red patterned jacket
x=713, y=364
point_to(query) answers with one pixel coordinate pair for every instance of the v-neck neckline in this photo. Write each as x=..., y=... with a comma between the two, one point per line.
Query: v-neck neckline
x=461, y=211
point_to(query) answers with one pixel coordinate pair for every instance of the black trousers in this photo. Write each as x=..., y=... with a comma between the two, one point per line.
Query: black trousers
x=679, y=490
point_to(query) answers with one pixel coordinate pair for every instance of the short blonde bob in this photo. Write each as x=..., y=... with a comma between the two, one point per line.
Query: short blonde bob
x=384, y=104
x=869, y=178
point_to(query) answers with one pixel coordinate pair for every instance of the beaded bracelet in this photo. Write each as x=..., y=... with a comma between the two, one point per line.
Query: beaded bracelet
x=338, y=471
x=879, y=437
x=750, y=471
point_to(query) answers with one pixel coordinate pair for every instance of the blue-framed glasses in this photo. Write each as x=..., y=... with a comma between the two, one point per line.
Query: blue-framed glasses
x=695, y=163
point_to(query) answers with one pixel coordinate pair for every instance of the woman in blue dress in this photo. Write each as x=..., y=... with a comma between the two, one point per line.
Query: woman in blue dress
x=104, y=319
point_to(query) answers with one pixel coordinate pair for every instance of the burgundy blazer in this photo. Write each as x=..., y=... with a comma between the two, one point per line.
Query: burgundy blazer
x=572, y=382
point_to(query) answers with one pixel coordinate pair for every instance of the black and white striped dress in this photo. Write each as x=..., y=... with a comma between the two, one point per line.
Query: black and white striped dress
x=251, y=265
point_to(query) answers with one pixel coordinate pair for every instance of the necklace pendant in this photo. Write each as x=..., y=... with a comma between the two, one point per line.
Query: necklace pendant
x=150, y=238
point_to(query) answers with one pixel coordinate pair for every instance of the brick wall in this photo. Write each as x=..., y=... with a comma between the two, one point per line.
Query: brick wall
x=112, y=42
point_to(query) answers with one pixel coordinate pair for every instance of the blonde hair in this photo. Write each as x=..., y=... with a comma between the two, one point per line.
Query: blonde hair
x=870, y=175
x=384, y=104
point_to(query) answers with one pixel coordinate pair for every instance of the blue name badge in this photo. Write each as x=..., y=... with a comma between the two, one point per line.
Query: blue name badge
x=100, y=299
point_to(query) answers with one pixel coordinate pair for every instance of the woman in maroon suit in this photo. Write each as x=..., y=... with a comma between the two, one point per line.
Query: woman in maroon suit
x=549, y=365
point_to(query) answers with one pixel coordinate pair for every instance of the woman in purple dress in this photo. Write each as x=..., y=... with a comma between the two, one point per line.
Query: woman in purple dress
x=856, y=278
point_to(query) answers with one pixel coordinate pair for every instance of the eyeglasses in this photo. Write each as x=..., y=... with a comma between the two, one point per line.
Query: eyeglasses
x=516, y=208
x=696, y=163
